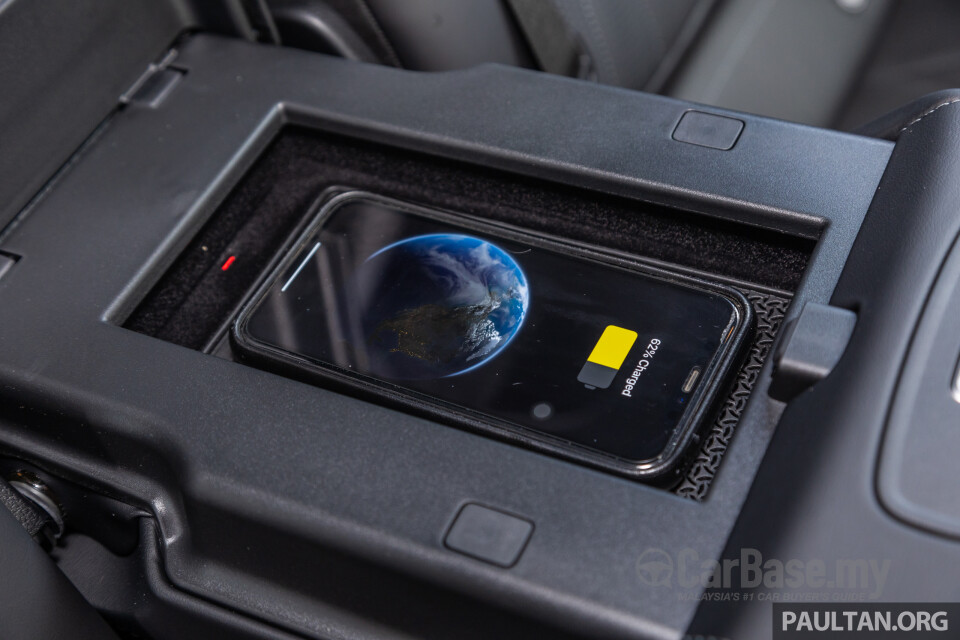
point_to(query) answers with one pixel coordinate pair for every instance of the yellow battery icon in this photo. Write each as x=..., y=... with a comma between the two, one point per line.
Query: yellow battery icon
x=607, y=357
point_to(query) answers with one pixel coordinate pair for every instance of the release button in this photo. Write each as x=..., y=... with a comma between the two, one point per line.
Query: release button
x=489, y=535
x=708, y=130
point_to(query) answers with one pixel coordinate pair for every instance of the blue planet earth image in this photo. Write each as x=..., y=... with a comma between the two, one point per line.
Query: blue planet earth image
x=438, y=305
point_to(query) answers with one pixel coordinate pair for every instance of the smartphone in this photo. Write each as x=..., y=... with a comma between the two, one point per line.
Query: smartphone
x=553, y=345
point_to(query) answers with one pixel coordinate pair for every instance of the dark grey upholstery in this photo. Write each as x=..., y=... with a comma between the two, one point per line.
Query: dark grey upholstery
x=632, y=42
x=789, y=59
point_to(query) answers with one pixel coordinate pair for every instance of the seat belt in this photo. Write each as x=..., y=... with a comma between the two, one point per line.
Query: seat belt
x=557, y=48
x=35, y=521
x=36, y=599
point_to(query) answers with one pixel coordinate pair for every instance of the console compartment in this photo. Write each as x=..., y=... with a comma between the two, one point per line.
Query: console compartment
x=214, y=450
x=197, y=299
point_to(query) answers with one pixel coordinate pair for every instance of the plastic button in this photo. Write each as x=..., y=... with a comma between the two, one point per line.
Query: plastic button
x=708, y=130
x=489, y=535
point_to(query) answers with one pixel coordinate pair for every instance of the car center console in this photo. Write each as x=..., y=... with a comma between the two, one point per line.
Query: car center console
x=246, y=500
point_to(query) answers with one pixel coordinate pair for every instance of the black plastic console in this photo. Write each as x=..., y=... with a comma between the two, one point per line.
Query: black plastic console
x=282, y=508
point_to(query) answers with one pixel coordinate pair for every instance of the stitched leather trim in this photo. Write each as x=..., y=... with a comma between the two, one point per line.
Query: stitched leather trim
x=927, y=113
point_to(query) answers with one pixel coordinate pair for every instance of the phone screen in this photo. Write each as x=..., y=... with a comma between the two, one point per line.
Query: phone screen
x=578, y=350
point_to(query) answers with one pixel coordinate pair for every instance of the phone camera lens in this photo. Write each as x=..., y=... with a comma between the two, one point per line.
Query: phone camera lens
x=542, y=410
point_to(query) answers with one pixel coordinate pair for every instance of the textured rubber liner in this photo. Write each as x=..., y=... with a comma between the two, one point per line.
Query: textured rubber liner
x=769, y=310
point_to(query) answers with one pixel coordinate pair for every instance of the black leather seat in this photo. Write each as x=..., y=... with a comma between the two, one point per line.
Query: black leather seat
x=791, y=59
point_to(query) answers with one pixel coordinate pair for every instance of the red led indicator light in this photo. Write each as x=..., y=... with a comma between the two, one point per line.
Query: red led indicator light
x=226, y=265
